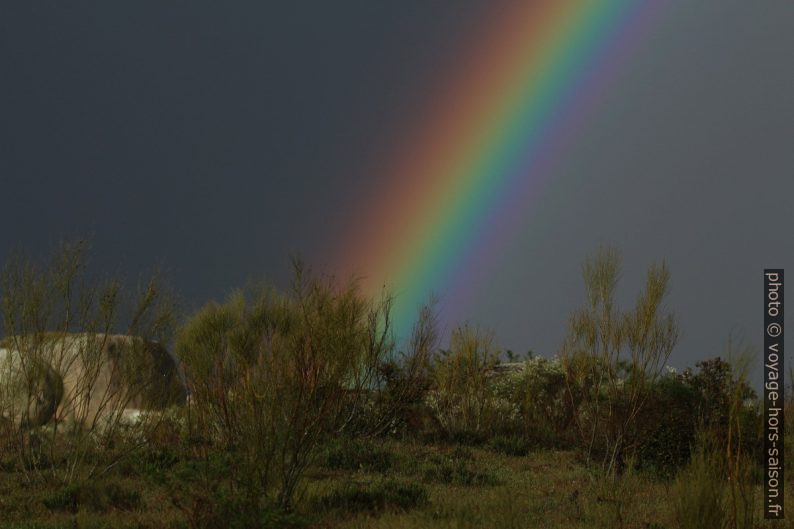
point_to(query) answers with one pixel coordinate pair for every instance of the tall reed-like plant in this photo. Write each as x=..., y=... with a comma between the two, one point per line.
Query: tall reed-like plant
x=719, y=485
x=464, y=399
x=612, y=357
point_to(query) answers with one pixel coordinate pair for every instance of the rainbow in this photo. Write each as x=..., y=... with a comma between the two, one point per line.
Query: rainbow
x=457, y=190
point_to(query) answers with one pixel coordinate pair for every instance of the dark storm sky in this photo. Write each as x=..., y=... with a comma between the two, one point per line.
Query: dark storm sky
x=212, y=139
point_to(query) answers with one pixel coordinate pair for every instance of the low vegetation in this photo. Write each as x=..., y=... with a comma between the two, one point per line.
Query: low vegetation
x=304, y=412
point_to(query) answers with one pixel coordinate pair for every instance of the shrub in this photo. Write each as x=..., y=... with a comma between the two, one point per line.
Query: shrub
x=209, y=497
x=713, y=402
x=667, y=427
x=726, y=404
x=543, y=413
x=463, y=401
x=374, y=497
x=96, y=496
x=396, y=406
x=225, y=509
x=272, y=376
x=612, y=357
x=356, y=454
x=152, y=463
x=722, y=458
x=512, y=445
x=65, y=499
x=454, y=470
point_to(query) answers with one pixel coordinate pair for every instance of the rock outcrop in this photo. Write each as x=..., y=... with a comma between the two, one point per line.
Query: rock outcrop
x=84, y=378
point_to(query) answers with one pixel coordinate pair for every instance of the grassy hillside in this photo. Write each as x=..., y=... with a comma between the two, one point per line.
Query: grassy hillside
x=356, y=484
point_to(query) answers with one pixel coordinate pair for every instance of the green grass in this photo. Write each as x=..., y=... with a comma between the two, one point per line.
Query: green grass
x=356, y=484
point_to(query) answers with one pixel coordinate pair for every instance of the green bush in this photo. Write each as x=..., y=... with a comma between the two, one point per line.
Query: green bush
x=396, y=405
x=272, y=375
x=121, y=497
x=512, y=445
x=94, y=496
x=455, y=468
x=151, y=462
x=374, y=497
x=356, y=454
x=539, y=411
x=724, y=396
x=463, y=401
x=227, y=508
x=65, y=499
x=666, y=428
x=88, y=520
x=681, y=407
x=612, y=357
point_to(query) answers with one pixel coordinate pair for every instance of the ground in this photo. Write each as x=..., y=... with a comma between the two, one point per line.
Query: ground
x=357, y=484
